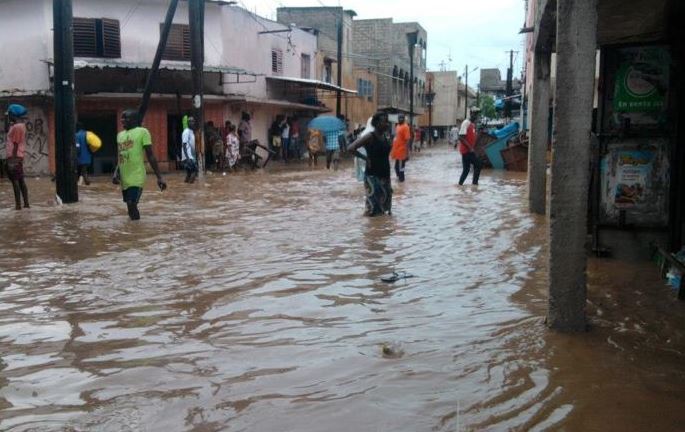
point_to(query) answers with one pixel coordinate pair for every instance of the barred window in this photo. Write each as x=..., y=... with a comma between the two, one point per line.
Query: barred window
x=276, y=61
x=97, y=37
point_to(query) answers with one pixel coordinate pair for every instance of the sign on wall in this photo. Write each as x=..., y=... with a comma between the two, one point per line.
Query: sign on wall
x=635, y=178
x=641, y=84
x=633, y=172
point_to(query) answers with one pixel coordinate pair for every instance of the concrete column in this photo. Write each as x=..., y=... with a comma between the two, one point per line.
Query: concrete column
x=539, y=134
x=576, y=47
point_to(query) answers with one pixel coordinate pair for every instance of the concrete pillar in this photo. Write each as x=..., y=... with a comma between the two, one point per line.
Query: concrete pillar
x=576, y=47
x=539, y=134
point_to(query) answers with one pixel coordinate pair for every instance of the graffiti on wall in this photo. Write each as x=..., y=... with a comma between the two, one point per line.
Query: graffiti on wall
x=36, y=158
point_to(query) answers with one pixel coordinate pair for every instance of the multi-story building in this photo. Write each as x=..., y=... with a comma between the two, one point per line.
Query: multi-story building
x=449, y=104
x=329, y=23
x=252, y=65
x=385, y=44
x=491, y=83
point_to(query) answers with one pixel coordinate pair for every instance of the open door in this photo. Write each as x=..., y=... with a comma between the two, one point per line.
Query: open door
x=103, y=125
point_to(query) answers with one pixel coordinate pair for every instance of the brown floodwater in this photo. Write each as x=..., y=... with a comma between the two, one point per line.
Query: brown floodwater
x=253, y=302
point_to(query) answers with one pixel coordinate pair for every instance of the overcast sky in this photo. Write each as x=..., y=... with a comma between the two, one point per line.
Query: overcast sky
x=473, y=32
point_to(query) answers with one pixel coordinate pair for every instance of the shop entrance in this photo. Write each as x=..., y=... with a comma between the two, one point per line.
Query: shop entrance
x=103, y=125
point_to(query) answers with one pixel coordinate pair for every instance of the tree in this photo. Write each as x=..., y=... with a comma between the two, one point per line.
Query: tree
x=487, y=106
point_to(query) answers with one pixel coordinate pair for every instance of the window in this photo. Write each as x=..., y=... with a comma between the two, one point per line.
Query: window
x=305, y=68
x=96, y=37
x=276, y=61
x=327, y=71
x=365, y=89
x=178, y=43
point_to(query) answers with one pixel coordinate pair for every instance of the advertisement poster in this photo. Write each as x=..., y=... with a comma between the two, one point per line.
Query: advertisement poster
x=642, y=80
x=635, y=181
x=633, y=173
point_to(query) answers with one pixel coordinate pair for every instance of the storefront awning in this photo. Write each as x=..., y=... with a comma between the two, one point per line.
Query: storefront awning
x=311, y=83
x=165, y=65
x=279, y=103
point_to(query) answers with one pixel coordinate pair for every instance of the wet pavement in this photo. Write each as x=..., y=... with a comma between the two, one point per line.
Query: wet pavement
x=253, y=302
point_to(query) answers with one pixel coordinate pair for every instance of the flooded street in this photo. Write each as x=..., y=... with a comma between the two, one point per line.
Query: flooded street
x=253, y=302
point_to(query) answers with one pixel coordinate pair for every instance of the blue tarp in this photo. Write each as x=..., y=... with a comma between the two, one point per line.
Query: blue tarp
x=493, y=150
x=505, y=131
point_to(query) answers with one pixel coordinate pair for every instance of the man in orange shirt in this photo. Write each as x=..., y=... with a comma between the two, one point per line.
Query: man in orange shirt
x=400, y=146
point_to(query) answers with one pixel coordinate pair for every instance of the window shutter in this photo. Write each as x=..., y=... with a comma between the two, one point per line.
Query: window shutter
x=178, y=43
x=186, y=42
x=85, y=37
x=276, y=61
x=111, y=38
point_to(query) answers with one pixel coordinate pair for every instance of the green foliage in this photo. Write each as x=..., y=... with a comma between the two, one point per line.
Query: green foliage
x=487, y=106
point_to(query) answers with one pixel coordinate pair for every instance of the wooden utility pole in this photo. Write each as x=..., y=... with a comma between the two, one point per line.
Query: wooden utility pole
x=338, y=98
x=196, y=14
x=158, y=58
x=65, y=123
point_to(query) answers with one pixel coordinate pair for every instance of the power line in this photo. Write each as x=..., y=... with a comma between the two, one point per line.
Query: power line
x=130, y=13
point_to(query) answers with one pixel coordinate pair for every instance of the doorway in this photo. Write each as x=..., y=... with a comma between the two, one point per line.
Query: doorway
x=103, y=125
x=174, y=130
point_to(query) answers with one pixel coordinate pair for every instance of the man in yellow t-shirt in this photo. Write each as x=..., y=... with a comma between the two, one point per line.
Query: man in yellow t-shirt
x=132, y=142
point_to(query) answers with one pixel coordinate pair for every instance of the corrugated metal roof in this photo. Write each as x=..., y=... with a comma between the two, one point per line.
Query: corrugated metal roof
x=182, y=66
x=312, y=83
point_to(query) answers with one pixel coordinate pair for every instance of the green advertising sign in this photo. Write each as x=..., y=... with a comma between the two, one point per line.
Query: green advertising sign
x=642, y=80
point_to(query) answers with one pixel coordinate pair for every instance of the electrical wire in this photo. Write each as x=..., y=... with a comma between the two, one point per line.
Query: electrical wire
x=130, y=14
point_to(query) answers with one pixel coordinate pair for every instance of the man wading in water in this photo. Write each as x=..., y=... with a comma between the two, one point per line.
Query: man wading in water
x=188, y=151
x=400, y=147
x=377, y=173
x=467, y=148
x=132, y=142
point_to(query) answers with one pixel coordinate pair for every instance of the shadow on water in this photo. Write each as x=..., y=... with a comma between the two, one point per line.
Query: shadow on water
x=254, y=302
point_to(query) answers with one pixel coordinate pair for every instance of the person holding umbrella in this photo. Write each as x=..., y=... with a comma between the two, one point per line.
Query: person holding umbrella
x=331, y=127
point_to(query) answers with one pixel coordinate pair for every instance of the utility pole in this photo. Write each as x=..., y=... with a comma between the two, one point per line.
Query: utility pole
x=338, y=98
x=429, y=96
x=196, y=16
x=466, y=92
x=158, y=58
x=411, y=40
x=510, y=89
x=65, y=123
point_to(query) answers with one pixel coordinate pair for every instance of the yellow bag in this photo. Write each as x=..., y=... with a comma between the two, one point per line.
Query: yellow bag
x=94, y=141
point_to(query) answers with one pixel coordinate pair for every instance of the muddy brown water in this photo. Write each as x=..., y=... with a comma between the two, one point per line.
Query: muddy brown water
x=252, y=302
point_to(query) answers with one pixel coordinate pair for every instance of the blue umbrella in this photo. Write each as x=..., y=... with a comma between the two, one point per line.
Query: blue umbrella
x=327, y=123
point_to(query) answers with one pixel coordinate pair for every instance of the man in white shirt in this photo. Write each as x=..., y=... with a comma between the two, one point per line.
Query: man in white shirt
x=285, y=138
x=188, y=151
x=467, y=147
x=454, y=134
